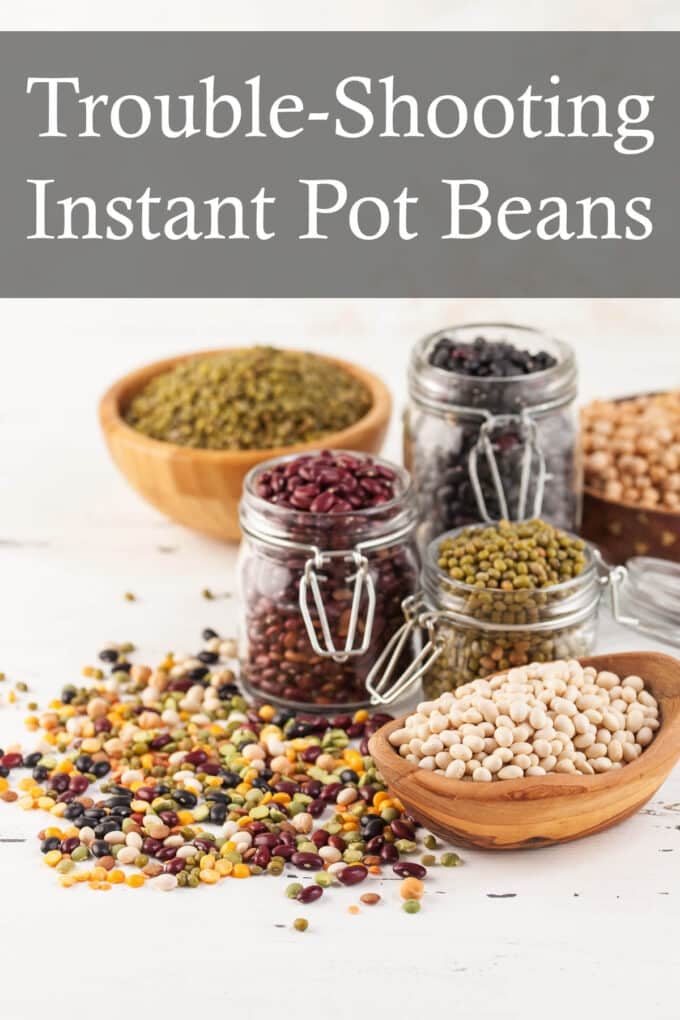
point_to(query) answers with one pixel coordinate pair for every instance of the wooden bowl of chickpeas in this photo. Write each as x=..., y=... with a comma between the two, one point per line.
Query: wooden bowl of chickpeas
x=523, y=806
x=631, y=453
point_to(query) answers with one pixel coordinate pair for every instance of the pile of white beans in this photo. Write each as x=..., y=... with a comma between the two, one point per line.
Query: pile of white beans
x=530, y=721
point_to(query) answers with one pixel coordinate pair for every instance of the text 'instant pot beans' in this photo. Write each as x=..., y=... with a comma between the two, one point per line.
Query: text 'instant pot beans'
x=252, y=399
x=168, y=776
x=532, y=721
x=632, y=450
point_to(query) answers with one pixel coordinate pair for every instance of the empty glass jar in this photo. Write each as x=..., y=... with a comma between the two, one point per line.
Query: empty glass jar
x=322, y=592
x=482, y=449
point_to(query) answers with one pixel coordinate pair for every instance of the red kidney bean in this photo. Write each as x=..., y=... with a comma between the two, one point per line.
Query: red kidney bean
x=169, y=818
x=330, y=791
x=283, y=786
x=66, y=796
x=312, y=788
x=401, y=829
x=173, y=865
x=268, y=839
x=203, y=844
x=337, y=842
x=307, y=861
x=262, y=856
x=409, y=869
x=320, y=838
x=283, y=850
x=60, y=782
x=166, y=853
x=79, y=784
x=310, y=754
x=197, y=757
x=144, y=793
x=389, y=853
x=211, y=768
x=316, y=808
x=151, y=846
x=69, y=845
x=310, y=894
x=11, y=760
x=375, y=844
x=342, y=722
x=256, y=828
x=352, y=874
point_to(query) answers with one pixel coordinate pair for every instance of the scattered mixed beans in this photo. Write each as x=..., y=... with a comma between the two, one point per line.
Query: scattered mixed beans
x=169, y=777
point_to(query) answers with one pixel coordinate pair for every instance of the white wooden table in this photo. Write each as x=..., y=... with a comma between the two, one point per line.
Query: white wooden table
x=584, y=927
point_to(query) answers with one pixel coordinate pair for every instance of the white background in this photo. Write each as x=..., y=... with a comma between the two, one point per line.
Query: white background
x=593, y=925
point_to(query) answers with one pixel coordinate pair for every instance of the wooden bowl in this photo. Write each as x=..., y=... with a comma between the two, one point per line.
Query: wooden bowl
x=540, y=811
x=623, y=530
x=202, y=488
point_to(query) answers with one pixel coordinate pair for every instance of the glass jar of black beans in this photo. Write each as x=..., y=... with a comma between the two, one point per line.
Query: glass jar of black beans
x=500, y=399
x=308, y=538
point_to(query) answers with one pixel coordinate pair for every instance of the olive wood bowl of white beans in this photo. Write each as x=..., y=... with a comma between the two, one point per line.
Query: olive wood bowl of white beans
x=541, y=810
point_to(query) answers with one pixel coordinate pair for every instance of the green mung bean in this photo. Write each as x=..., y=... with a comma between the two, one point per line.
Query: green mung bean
x=254, y=398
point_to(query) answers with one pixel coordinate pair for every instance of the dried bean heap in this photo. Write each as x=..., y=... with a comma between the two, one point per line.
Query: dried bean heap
x=257, y=398
x=532, y=721
x=512, y=556
x=331, y=501
x=508, y=574
x=484, y=358
x=168, y=776
x=632, y=450
x=327, y=483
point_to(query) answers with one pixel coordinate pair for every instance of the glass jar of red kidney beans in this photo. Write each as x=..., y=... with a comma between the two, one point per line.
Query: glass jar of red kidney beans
x=327, y=558
x=491, y=430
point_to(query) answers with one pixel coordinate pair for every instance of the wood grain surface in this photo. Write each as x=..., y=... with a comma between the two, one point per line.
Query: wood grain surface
x=542, y=810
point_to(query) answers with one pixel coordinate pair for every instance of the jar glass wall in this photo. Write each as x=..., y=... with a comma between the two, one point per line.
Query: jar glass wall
x=529, y=421
x=285, y=550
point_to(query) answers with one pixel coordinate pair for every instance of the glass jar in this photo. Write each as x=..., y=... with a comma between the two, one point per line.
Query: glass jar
x=322, y=593
x=482, y=449
x=473, y=632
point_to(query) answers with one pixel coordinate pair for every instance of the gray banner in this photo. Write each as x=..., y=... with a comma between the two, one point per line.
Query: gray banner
x=569, y=199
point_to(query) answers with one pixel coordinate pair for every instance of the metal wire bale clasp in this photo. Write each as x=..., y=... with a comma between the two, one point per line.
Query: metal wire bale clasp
x=379, y=680
x=362, y=586
x=531, y=451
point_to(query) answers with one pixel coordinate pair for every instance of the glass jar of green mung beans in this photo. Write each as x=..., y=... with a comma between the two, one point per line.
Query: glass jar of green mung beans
x=474, y=630
x=483, y=630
